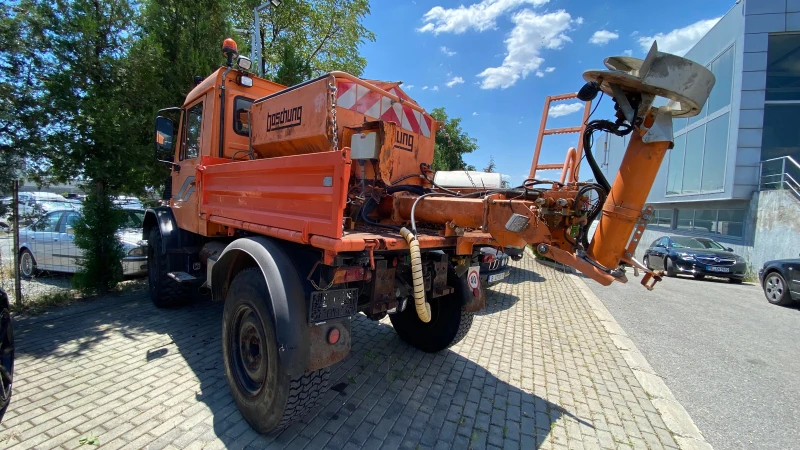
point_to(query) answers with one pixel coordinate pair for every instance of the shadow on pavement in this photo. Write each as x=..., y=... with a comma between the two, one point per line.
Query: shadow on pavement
x=385, y=392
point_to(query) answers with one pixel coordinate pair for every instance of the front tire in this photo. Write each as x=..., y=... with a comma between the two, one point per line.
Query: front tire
x=646, y=262
x=776, y=290
x=669, y=266
x=164, y=291
x=449, y=321
x=268, y=398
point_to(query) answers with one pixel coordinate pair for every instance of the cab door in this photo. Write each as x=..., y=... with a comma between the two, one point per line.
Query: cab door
x=195, y=139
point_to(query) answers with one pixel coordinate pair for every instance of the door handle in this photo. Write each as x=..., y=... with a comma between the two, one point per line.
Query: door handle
x=55, y=239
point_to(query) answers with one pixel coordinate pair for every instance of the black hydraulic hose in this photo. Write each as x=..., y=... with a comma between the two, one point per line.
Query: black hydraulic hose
x=596, y=171
x=370, y=206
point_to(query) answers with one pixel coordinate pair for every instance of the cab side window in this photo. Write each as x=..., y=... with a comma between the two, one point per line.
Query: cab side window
x=194, y=125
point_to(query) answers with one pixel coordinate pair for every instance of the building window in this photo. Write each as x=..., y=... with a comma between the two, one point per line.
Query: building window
x=781, y=136
x=727, y=222
x=697, y=161
x=662, y=218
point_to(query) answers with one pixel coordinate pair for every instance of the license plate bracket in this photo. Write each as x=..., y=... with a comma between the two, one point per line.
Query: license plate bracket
x=332, y=304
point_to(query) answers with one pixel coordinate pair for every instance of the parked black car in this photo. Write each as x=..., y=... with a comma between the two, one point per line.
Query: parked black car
x=6, y=353
x=494, y=266
x=781, y=281
x=696, y=256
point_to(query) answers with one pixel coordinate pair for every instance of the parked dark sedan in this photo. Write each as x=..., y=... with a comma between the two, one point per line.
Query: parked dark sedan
x=494, y=266
x=696, y=256
x=6, y=353
x=781, y=281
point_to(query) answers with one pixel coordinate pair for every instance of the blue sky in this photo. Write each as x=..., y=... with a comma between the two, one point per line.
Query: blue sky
x=493, y=62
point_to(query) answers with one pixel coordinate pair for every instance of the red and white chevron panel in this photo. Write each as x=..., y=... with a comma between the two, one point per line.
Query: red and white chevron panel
x=355, y=97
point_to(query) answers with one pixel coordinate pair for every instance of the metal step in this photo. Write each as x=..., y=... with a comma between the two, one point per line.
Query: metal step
x=181, y=277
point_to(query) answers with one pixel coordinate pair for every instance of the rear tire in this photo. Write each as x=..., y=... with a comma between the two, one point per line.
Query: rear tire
x=164, y=291
x=27, y=264
x=669, y=267
x=268, y=398
x=449, y=321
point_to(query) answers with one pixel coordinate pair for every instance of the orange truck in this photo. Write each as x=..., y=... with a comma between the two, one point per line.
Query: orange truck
x=300, y=207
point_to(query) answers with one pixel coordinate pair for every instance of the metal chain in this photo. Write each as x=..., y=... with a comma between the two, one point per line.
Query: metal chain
x=319, y=288
x=333, y=90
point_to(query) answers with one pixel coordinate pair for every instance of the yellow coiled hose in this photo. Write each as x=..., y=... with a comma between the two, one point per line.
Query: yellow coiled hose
x=423, y=308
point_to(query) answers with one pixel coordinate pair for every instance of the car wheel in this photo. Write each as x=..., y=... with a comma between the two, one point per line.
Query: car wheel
x=699, y=277
x=27, y=264
x=646, y=262
x=669, y=267
x=776, y=290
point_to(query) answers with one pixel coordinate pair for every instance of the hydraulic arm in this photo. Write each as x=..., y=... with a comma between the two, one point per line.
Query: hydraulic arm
x=554, y=216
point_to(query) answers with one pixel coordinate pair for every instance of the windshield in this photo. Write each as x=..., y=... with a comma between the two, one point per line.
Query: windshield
x=52, y=206
x=134, y=218
x=698, y=243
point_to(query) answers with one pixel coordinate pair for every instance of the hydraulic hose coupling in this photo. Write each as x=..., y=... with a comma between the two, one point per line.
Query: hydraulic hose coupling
x=423, y=308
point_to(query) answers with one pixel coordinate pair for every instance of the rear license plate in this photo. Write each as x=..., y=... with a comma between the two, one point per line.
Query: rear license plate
x=718, y=269
x=332, y=304
x=498, y=276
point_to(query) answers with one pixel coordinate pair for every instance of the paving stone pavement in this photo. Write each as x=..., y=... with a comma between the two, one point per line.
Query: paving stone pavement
x=537, y=370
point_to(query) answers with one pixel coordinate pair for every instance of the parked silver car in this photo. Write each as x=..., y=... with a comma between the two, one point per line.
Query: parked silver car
x=49, y=244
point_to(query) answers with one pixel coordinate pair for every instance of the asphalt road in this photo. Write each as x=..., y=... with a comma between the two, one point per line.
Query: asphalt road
x=731, y=358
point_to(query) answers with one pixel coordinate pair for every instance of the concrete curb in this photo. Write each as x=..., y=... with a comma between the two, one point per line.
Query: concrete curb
x=677, y=419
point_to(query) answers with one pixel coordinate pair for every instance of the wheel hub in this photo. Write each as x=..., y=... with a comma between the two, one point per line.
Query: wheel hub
x=249, y=351
x=774, y=288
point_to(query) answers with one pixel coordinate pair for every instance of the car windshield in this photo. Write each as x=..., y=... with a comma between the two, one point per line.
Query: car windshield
x=52, y=206
x=134, y=218
x=698, y=243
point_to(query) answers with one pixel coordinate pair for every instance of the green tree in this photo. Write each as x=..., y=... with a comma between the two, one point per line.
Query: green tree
x=90, y=105
x=326, y=34
x=490, y=168
x=451, y=143
x=22, y=118
x=293, y=70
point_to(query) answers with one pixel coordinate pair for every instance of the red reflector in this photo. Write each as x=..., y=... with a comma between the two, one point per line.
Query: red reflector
x=333, y=336
x=488, y=258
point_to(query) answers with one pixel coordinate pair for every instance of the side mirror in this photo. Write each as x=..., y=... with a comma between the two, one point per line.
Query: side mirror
x=729, y=249
x=71, y=231
x=164, y=139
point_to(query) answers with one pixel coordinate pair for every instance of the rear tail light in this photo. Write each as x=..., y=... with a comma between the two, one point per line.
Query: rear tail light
x=488, y=258
x=353, y=273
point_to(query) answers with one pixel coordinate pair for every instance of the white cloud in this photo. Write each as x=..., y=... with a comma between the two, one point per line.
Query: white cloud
x=475, y=113
x=454, y=81
x=628, y=53
x=563, y=109
x=435, y=88
x=532, y=32
x=478, y=16
x=550, y=69
x=539, y=74
x=681, y=40
x=424, y=88
x=408, y=87
x=603, y=37
x=447, y=51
